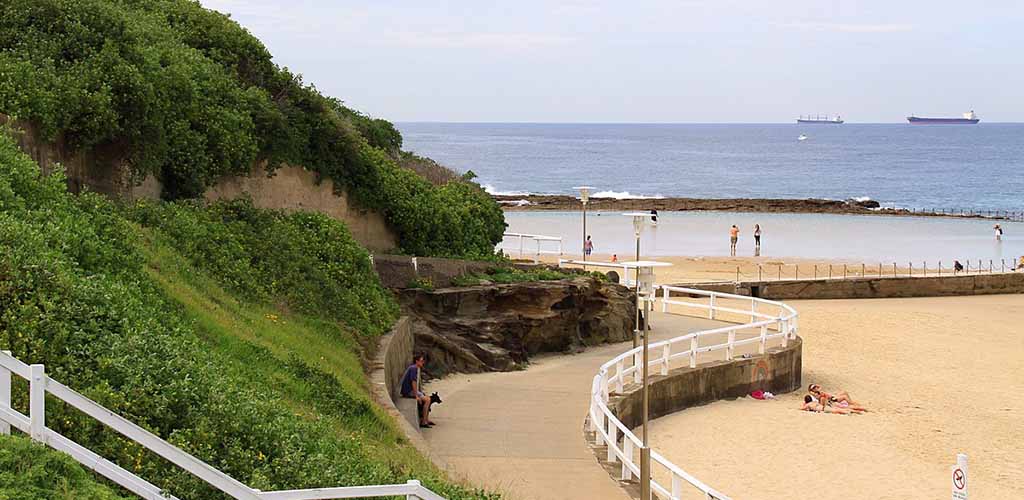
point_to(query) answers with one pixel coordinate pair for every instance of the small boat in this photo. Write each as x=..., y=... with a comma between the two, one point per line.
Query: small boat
x=802, y=137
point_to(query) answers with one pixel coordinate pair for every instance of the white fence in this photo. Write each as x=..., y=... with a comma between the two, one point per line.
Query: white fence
x=34, y=424
x=538, y=239
x=768, y=321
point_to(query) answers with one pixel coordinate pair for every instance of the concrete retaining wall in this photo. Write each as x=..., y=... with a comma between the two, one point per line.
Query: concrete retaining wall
x=102, y=170
x=393, y=356
x=875, y=288
x=295, y=188
x=778, y=371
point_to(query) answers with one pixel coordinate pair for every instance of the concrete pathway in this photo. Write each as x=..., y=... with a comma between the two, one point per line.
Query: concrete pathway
x=521, y=433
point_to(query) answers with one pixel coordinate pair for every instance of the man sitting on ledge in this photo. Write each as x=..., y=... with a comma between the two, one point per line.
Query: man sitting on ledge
x=411, y=389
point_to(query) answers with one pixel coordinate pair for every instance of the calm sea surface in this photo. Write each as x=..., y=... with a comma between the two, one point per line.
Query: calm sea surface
x=859, y=238
x=979, y=167
x=976, y=167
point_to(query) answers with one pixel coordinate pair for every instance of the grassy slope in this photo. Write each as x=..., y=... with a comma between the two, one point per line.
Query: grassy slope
x=299, y=358
x=29, y=471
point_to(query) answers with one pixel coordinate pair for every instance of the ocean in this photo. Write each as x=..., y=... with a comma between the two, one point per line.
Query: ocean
x=978, y=167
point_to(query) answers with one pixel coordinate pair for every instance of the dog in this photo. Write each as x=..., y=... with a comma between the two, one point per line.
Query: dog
x=434, y=399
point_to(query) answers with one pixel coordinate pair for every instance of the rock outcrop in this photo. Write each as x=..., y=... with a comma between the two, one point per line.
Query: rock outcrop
x=497, y=327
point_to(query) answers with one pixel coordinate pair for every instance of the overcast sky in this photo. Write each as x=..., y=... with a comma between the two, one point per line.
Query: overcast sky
x=651, y=61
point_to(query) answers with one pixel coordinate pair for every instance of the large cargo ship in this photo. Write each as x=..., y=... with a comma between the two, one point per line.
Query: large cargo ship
x=819, y=119
x=968, y=118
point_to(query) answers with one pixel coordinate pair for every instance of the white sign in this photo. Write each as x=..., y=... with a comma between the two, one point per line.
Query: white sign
x=958, y=477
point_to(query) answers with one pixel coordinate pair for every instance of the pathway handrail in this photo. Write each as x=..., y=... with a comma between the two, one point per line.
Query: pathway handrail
x=611, y=377
x=538, y=239
x=34, y=425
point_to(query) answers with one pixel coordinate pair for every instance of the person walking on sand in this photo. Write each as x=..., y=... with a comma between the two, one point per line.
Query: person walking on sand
x=757, y=236
x=734, y=236
x=588, y=247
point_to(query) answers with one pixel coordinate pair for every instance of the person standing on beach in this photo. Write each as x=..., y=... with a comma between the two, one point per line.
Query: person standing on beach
x=588, y=247
x=757, y=236
x=999, y=232
x=734, y=236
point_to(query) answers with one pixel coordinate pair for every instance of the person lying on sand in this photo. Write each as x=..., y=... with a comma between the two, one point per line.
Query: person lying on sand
x=815, y=407
x=840, y=396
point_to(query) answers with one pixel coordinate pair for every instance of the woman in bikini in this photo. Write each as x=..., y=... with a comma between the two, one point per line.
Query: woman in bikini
x=815, y=407
x=840, y=399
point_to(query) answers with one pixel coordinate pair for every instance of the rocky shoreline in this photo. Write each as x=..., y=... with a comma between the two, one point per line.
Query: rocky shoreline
x=758, y=205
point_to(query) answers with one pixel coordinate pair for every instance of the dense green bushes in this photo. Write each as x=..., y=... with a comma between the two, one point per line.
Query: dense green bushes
x=188, y=95
x=75, y=294
x=30, y=471
x=308, y=261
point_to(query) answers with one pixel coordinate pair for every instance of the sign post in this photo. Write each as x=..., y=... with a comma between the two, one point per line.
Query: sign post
x=958, y=477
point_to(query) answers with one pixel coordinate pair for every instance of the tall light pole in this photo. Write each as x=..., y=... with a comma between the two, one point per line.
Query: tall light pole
x=638, y=227
x=584, y=197
x=645, y=285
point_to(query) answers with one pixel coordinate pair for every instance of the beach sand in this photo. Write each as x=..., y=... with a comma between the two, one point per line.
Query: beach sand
x=941, y=376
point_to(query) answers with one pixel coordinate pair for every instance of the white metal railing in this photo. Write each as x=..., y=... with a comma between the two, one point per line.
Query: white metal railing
x=539, y=239
x=768, y=320
x=34, y=424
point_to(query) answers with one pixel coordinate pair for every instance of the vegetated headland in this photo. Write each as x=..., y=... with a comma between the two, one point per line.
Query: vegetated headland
x=561, y=202
x=236, y=332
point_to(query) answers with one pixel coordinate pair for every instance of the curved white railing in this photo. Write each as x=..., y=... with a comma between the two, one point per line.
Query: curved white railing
x=768, y=320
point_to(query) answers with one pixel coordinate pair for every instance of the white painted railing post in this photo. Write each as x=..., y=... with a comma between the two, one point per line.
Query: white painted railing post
x=520, y=245
x=764, y=339
x=693, y=351
x=5, y=395
x=604, y=385
x=619, y=375
x=598, y=425
x=37, y=402
x=612, y=439
x=664, y=300
x=666, y=352
x=415, y=484
x=637, y=368
x=627, y=452
x=731, y=345
x=753, y=310
x=711, y=309
x=785, y=333
x=677, y=487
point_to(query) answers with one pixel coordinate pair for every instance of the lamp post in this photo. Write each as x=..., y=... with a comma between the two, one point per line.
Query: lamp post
x=638, y=227
x=645, y=286
x=584, y=197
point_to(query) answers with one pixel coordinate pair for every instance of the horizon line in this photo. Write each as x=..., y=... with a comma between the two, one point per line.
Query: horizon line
x=474, y=122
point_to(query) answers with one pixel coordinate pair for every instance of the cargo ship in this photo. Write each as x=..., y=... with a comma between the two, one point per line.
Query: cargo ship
x=818, y=119
x=968, y=118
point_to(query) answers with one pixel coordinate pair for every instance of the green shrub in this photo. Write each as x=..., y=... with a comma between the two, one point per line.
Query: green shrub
x=29, y=471
x=74, y=295
x=188, y=95
x=308, y=261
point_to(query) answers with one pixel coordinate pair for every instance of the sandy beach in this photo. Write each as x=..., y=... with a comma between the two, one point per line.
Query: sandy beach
x=941, y=376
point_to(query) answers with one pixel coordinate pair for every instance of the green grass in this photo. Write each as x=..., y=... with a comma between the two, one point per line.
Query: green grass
x=30, y=471
x=310, y=363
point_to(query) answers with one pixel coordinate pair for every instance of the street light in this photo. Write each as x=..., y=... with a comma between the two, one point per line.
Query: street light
x=638, y=227
x=584, y=197
x=645, y=286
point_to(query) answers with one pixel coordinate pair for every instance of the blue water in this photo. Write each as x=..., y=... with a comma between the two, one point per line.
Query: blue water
x=977, y=167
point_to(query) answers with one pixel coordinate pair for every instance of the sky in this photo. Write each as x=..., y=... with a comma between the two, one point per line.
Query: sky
x=657, y=61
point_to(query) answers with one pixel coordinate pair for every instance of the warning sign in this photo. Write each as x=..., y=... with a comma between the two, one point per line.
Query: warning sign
x=958, y=477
